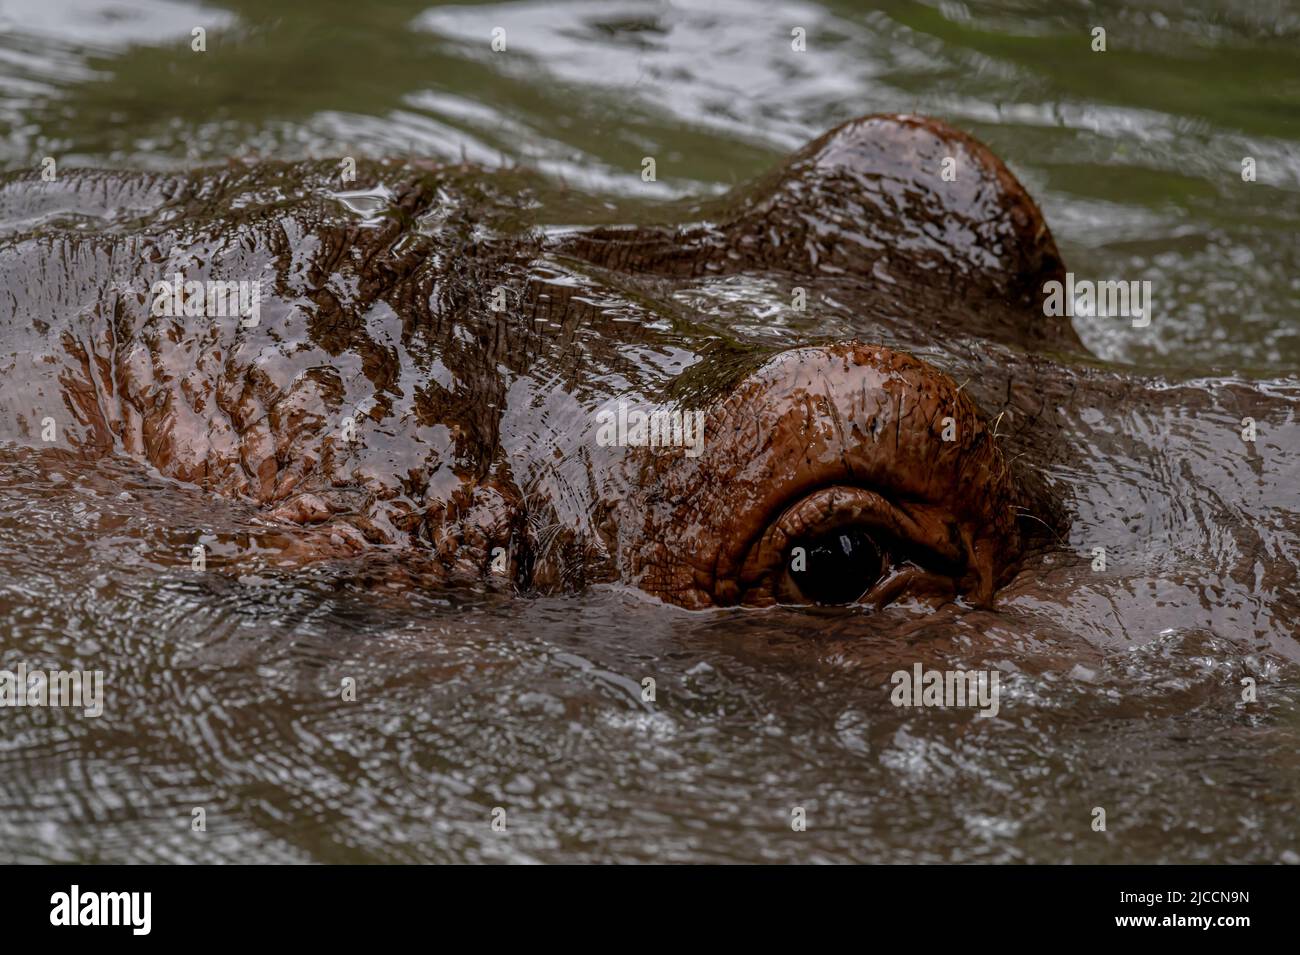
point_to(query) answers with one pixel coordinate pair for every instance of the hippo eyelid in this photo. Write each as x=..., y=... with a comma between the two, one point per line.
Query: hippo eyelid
x=928, y=542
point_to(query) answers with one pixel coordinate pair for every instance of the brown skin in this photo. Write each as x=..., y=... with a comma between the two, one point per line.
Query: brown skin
x=475, y=428
x=817, y=439
x=867, y=200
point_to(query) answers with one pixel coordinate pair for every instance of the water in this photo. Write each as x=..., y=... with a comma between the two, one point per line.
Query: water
x=224, y=691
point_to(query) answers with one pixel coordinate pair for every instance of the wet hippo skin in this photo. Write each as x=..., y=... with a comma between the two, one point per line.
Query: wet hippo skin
x=435, y=347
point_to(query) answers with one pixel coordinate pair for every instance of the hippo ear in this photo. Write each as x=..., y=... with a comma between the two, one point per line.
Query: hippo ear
x=906, y=199
x=916, y=209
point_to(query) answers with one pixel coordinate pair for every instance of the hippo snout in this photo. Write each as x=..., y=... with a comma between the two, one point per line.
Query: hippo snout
x=832, y=474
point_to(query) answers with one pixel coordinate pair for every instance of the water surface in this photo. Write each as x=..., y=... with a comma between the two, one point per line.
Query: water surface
x=223, y=690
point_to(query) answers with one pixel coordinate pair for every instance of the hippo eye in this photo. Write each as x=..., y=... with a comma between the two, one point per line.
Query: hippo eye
x=843, y=545
x=835, y=568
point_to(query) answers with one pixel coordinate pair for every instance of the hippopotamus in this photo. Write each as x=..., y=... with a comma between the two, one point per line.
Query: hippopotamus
x=836, y=385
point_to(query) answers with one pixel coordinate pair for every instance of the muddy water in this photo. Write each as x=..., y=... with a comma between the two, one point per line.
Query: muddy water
x=1119, y=690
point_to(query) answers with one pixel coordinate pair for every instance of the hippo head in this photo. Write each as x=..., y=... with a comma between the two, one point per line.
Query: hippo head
x=845, y=383
x=892, y=411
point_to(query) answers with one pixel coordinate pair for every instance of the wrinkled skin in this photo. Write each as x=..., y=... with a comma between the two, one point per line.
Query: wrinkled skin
x=476, y=429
